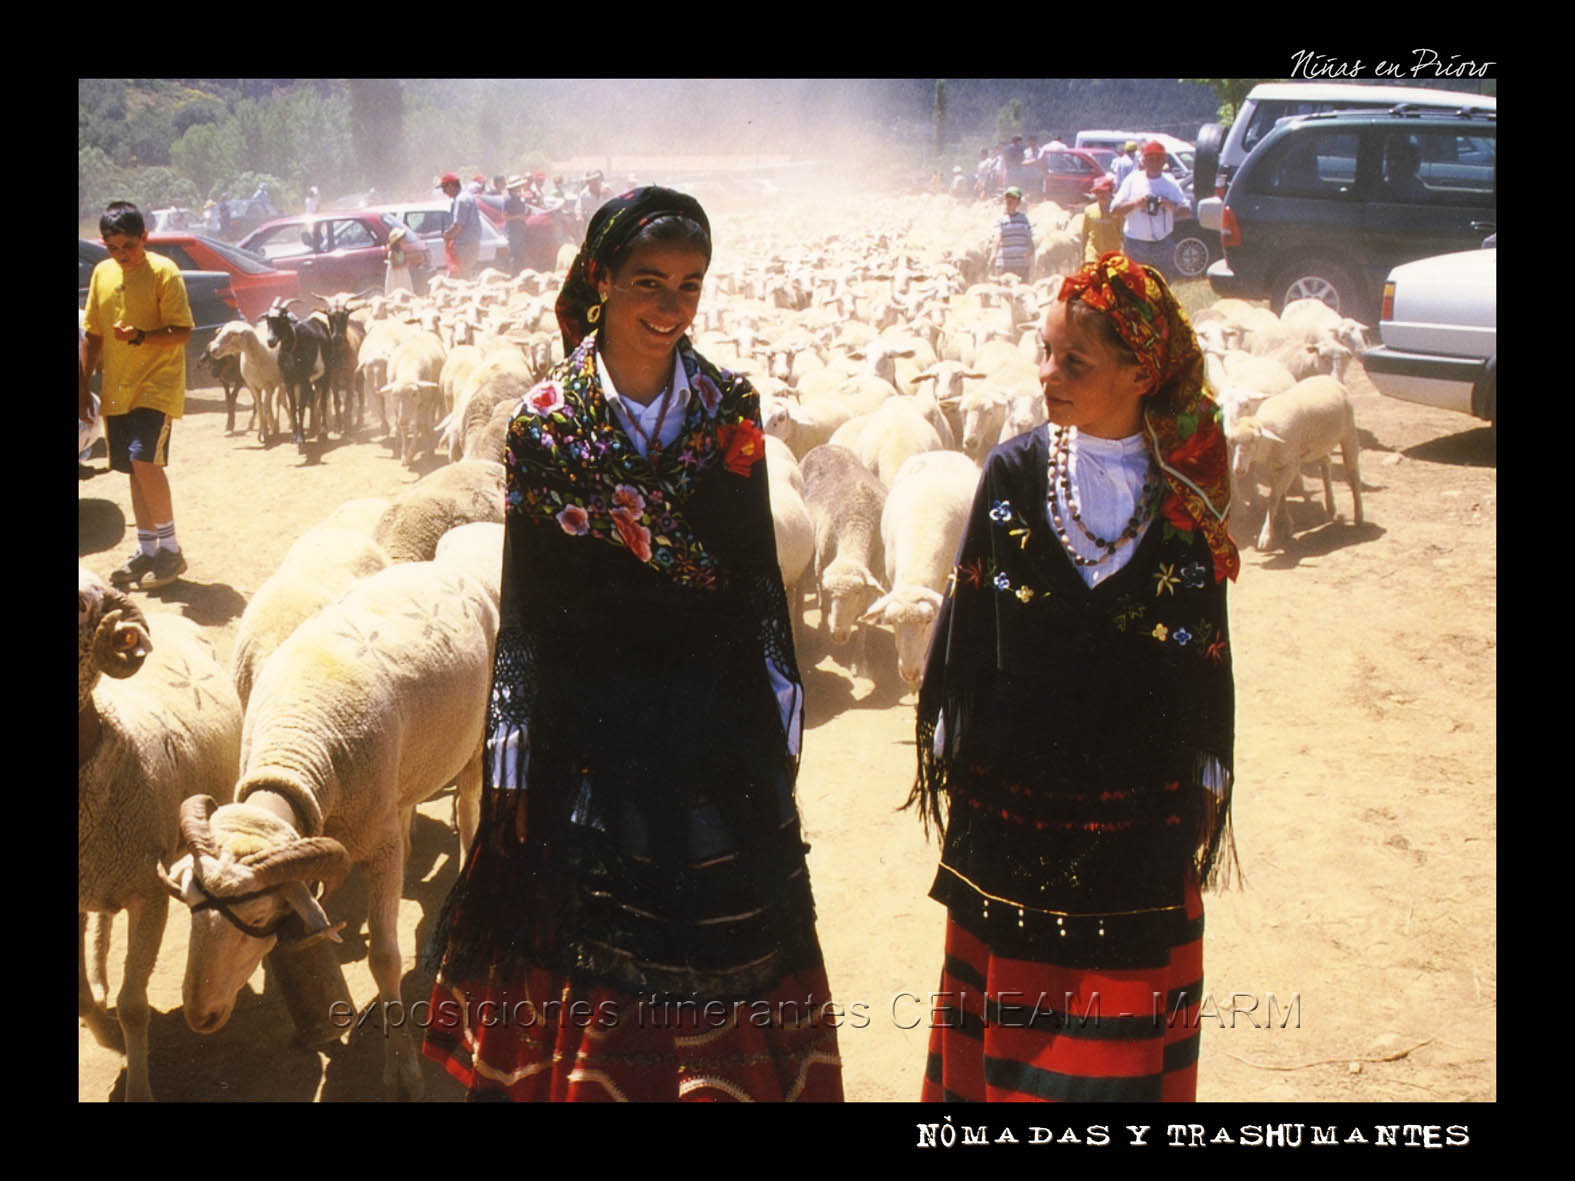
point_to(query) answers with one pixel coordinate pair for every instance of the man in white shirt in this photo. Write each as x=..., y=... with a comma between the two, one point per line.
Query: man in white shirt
x=1149, y=200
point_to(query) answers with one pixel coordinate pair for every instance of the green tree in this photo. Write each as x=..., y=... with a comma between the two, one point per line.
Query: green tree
x=98, y=182
x=1230, y=91
x=1009, y=120
x=208, y=153
x=938, y=116
x=377, y=131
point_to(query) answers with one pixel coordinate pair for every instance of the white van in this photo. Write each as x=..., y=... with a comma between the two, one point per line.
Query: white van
x=1178, y=152
x=1270, y=102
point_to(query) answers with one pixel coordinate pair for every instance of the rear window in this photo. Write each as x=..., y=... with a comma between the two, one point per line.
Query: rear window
x=1438, y=168
x=177, y=255
x=238, y=259
x=1317, y=165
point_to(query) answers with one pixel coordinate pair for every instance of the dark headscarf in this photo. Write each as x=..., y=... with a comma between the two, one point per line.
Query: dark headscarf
x=1182, y=423
x=611, y=227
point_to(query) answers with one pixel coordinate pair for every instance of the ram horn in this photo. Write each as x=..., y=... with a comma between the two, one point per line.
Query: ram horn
x=121, y=641
x=310, y=859
x=169, y=883
x=195, y=829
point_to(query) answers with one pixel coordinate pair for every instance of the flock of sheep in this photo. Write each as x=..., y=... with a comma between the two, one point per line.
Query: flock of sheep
x=888, y=366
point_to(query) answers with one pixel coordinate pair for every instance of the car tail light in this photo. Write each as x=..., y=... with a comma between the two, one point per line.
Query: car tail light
x=227, y=294
x=1388, y=310
x=1230, y=233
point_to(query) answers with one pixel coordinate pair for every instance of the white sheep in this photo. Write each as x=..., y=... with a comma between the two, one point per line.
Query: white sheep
x=921, y=525
x=414, y=392
x=888, y=437
x=259, y=363
x=142, y=744
x=471, y=490
x=1303, y=425
x=372, y=706
x=845, y=501
x=322, y=563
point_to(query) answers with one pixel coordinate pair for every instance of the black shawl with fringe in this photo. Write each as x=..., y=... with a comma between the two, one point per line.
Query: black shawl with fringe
x=640, y=608
x=1085, y=734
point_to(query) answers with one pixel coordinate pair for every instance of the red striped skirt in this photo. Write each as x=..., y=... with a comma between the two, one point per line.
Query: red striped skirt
x=1021, y=1030
x=547, y=1039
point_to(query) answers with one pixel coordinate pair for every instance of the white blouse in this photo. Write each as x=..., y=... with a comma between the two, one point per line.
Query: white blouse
x=1107, y=478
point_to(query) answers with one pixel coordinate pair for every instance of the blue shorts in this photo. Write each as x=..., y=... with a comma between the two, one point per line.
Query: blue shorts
x=1160, y=255
x=142, y=434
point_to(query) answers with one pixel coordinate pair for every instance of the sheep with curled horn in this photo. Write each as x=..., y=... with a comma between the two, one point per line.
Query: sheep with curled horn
x=165, y=722
x=370, y=707
x=249, y=870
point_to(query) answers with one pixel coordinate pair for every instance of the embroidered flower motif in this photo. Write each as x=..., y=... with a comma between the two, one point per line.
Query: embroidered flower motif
x=972, y=572
x=1165, y=581
x=627, y=496
x=1024, y=593
x=635, y=535
x=1021, y=535
x=1194, y=576
x=1216, y=650
x=1002, y=582
x=1182, y=636
x=574, y=520
x=1001, y=511
x=545, y=398
x=1160, y=632
x=743, y=445
x=710, y=396
x=1174, y=510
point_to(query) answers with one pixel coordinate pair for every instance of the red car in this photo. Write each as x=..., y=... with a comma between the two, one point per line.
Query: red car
x=255, y=283
x=1070, y=174
x=334, y=251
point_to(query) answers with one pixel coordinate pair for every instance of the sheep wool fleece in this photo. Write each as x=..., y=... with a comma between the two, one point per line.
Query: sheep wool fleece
x=1082, y=738
x=652, y=935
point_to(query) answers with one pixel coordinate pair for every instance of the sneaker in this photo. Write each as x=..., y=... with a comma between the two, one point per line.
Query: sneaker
x=168, y=565
x=138, y=565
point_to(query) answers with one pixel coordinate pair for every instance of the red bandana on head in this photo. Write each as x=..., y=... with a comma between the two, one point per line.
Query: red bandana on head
x=1181, y=422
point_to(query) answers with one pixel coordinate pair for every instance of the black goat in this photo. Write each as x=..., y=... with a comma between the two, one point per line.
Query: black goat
x=305, y=347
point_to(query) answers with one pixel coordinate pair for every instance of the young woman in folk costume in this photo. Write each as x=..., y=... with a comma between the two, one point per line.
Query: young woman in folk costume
x=634, y=920
x=1077, y=714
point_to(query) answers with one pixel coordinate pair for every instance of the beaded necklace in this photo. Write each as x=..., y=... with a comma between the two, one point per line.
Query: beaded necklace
x=653, y=437
x=1060, y=477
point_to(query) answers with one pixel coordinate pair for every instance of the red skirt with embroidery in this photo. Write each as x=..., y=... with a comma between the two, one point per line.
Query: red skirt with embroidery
x=544, y=1038
x=1021, y=1030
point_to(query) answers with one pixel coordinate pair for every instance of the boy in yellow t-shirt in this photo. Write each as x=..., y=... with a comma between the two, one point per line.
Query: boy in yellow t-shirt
x=137, y=322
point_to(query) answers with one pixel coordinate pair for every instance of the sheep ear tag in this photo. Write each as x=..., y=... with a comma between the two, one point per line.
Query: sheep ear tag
x=299, y=896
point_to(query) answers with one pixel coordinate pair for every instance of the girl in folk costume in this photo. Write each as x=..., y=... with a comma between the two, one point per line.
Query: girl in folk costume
x=1077, y=715
x=634, y=920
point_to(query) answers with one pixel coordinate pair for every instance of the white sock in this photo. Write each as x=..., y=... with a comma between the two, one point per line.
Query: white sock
x=166, y=535
x=147, y=542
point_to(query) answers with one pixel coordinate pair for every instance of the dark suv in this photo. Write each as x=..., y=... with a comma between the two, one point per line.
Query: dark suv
x=1326, y=204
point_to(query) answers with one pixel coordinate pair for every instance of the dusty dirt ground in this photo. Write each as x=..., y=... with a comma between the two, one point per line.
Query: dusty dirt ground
x=1365, y=814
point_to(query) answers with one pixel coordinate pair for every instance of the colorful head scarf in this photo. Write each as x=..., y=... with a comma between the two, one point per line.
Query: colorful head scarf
x=611, y=226
x=1182, y=423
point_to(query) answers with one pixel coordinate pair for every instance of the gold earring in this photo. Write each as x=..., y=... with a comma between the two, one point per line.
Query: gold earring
x=594, y=313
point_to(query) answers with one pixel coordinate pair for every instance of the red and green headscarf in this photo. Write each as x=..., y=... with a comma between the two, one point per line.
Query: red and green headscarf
x=1182, y=423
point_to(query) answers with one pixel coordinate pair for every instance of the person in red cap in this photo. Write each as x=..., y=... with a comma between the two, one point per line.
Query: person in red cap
x=1149, y=201
x=1101, y=227
x=462, y=238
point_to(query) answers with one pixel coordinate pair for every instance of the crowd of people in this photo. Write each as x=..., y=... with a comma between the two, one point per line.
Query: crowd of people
x=1134, y=208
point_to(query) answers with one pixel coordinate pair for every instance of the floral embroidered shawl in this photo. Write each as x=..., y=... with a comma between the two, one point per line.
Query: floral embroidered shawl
x=569, y=460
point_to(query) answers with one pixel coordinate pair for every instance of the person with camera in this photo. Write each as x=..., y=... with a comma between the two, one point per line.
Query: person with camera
x=1149, y=201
